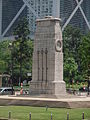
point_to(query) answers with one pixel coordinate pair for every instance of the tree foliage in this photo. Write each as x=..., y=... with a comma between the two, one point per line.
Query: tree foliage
x=84, y=53
x=4, y=56
x=77, y=49
x=71, y=42
x=17, y=52
x=70, y=69
x=23, y=47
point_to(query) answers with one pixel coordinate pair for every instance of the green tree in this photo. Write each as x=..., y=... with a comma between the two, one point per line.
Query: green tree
x=72, y=39
x=70, y=69
x=84, y=53
x=23, y=47
x=4, y=56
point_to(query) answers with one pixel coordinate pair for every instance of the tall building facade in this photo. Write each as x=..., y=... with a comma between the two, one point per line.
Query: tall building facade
x=10, y=13
x=42, y=8
x=73, y=12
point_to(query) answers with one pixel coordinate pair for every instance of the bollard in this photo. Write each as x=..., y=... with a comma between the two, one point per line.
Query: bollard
x=30, y=116
x=46, y=107
x=9, y=115
x=67, y=116
x=51, y=116
x=83, y=116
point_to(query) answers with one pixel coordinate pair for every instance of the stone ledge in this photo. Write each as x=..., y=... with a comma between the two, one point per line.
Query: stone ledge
x=57, y=103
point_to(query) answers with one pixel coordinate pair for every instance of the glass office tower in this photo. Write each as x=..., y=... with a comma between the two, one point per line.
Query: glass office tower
x=8, y=15
x=73, y=12
x=76, y=14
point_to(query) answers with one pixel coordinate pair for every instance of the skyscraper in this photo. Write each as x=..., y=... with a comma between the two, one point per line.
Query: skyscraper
x=10, y=13
x=74, y=12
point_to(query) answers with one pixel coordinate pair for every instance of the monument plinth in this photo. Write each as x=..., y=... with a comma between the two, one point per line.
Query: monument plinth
x=47, y=72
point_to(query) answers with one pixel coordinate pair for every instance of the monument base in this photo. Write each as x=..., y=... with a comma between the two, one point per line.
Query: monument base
x=56, y=88
x=60, y=88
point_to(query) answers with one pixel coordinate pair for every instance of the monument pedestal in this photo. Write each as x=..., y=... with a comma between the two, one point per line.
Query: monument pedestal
x=60, y=88
x=51, y=88
x=47, y=72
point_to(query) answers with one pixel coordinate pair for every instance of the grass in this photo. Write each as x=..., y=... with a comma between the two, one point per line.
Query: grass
x=40, y=113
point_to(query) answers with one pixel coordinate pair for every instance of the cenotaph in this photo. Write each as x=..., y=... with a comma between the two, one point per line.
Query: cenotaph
x=47, y=70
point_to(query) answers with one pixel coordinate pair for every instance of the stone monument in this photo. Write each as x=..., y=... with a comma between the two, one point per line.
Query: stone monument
x=47, y=71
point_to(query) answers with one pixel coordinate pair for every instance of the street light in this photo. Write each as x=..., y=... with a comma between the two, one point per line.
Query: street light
x=88, y=84
x=11, y=48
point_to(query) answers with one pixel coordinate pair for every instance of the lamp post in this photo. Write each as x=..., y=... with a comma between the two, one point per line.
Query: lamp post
x=88, y=85
x=11, y=48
